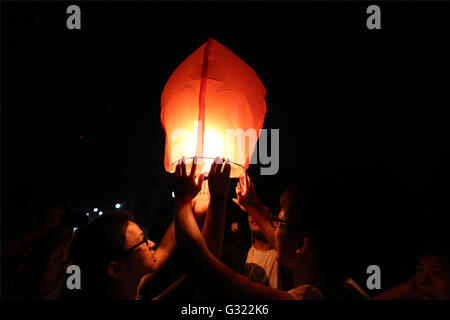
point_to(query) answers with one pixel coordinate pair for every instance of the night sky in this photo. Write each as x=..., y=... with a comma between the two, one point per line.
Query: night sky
x=80, y=108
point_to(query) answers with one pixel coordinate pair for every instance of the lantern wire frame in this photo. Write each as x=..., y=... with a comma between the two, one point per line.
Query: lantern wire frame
x=204, y=164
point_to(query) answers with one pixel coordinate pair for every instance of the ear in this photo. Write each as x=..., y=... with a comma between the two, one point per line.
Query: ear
x=304, y=241
x=114, y=269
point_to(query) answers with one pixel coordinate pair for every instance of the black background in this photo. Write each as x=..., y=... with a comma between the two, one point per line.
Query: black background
x=368, y=106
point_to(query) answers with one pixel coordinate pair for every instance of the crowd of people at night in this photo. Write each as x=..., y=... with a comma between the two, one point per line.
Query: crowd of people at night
x=288, y=256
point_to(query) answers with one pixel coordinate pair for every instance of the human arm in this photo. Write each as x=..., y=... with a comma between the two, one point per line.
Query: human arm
x=248, y=201
x=403, y=291
x=166, y=248
x=218, y=185
x=200, y=204
x=210, y=273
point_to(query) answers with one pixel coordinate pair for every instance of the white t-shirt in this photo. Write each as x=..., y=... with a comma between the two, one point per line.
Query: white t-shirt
x=261, y=266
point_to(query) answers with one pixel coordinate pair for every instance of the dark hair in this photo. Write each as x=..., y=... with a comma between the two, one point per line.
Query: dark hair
x=94, y=247
x=436, y=249
x=310, y=205
x=314, y=207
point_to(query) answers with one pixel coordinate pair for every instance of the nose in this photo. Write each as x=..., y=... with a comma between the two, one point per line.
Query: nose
x=426, y=280
x=151, y=244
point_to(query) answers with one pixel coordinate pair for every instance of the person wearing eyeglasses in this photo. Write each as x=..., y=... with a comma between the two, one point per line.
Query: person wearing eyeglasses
x=291, y=231
x=114, y=255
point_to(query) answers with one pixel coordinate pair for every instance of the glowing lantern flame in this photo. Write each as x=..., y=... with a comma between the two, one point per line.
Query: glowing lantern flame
x=212, y=105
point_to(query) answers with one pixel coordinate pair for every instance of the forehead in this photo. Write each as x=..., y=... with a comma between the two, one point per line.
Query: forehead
x=431, y=261
x=133, y=232
x=282, y=214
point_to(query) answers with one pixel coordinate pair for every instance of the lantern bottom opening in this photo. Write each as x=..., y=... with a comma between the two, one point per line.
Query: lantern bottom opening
x=204, y=164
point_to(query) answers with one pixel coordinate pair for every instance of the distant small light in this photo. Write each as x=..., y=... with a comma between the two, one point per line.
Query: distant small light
x=87, y=213
x=75, y=229
x=173, y=194
x=100, y=213
x=118, y=205
x=95, y=209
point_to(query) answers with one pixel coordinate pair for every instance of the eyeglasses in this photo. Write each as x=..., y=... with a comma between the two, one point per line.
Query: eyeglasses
x=128, y=251
x=275, y=222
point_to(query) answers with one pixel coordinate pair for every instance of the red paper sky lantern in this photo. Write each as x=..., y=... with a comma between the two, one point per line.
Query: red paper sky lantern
x=211, y=98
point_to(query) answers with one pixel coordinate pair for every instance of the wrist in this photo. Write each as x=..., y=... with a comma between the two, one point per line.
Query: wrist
x=255, y=206
x=183, y=200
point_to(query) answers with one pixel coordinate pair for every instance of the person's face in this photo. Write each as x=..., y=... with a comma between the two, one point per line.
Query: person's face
x=142, y=259
x=432, y=278
x=286, y=242
x=252, y=224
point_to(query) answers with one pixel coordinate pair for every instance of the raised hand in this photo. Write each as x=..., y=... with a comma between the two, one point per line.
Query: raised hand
x=219, y=179
x=186, y=186
x=246, y=196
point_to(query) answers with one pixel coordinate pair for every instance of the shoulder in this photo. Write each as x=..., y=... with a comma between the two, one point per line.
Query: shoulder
x=306, y=292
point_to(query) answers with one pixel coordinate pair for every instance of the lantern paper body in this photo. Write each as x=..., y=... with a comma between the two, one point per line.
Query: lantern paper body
x=211, y=92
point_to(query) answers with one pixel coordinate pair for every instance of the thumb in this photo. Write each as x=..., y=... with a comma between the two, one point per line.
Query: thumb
x=240, y=206
x=200, y=180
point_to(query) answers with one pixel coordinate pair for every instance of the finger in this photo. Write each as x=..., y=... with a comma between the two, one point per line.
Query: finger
x=200, y=181
x=206, y=188
x=227, y=169
x=222, y=165
x=244, y=183
x=178, y=168
x=213, y=167
x=218, y=167
x=240, y=206
x=194, y=167
x=240, y=184
x=236, y=201
x=249, y=181
x=183, y=166
x=202, y=191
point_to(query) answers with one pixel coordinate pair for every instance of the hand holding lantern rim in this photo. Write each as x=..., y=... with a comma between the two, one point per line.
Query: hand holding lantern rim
x=187, y=186
x=219, y=179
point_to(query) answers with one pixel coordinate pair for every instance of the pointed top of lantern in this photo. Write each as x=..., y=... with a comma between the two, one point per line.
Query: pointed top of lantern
x=211, y=96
